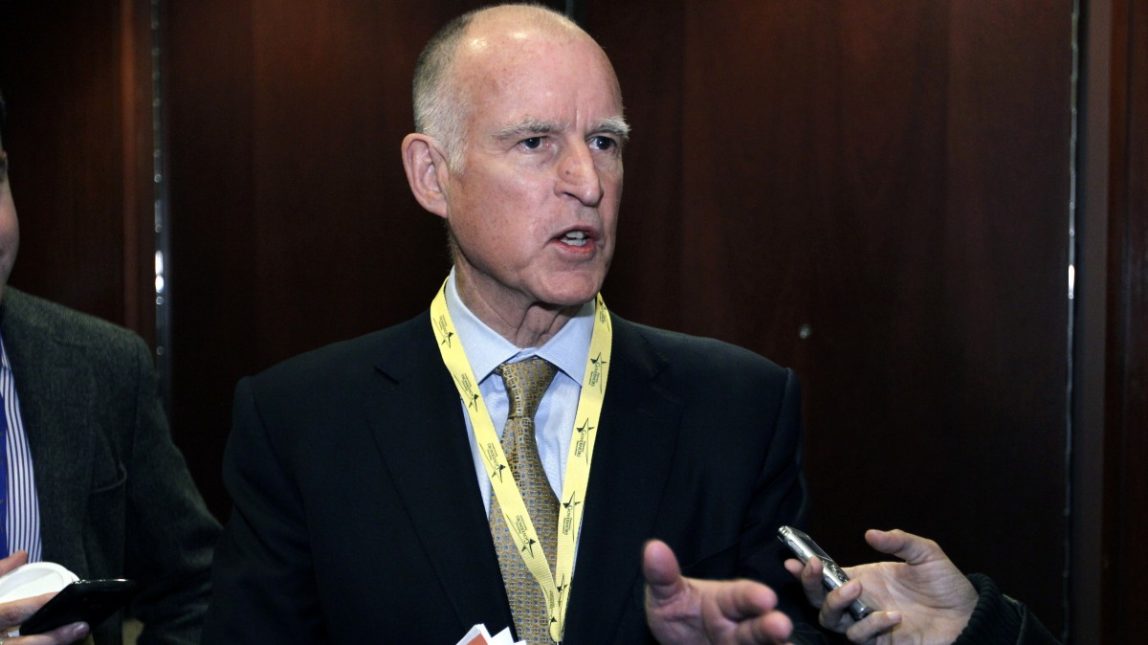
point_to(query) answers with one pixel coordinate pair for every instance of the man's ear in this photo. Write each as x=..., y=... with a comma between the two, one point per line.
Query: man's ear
x=426, y=169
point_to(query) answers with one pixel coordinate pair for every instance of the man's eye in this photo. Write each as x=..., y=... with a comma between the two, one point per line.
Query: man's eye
x=532, y=143
x=603, y=143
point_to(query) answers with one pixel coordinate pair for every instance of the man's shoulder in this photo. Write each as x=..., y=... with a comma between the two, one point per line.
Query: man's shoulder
x=24, y=316
x=693, y=352
x=350, y=356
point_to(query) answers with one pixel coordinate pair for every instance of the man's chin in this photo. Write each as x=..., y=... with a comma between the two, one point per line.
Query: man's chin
x=573, y=296
x=575, y=287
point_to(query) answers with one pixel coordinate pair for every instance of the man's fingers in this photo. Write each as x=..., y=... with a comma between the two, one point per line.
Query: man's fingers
x=661, y=570
x=913, y=549
x=749, y=607
x=774, y=627
x=741, y=599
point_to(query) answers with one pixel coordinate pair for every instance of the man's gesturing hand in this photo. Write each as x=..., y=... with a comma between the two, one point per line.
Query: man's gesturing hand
x=687, y=611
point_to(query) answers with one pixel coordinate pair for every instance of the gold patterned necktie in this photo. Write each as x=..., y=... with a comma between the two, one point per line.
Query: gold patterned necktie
x=526, y=381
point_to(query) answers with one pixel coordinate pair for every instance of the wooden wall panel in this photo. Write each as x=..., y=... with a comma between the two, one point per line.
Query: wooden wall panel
x=891, y=182
x=1126, y=424
x=211, y=277
x=76, y=78
x=646, y=275
x=292, y=225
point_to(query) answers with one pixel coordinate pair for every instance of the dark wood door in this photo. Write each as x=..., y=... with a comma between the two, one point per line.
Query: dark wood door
x=878, y=195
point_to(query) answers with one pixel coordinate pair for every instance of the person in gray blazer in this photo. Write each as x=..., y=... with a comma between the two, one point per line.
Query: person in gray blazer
x=93, y=480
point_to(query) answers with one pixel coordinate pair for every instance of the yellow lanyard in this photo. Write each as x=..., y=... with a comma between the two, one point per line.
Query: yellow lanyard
x=577, y=460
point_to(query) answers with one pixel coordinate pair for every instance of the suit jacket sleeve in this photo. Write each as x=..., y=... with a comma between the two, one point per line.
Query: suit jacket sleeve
x=781, y=500
x=998, y=619
x=170, y=535
x=778, y=497
x=265, y=546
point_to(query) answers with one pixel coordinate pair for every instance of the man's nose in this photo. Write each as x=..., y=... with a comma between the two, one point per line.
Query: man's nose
x=578, y=176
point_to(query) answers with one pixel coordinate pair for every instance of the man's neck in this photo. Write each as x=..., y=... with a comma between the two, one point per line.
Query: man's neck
x=531, y=327
x=523, y=324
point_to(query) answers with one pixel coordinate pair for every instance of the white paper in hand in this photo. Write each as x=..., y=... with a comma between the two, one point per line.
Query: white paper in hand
x=33, y=579
x=478, y=635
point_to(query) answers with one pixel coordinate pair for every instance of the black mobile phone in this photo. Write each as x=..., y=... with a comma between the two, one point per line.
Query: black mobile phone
x=832, y=576
x=90, y=601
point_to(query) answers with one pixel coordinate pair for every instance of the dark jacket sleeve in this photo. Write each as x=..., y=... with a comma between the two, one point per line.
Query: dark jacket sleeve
x=264, y=585
x=998, y=619
x=170, y=535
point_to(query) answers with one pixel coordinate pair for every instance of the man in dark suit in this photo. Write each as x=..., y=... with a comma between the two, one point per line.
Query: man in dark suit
x=110, y=496
x=370, y=488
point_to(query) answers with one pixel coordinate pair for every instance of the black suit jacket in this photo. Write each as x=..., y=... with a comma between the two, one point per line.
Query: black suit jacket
x=115, y=496
x=357, y=515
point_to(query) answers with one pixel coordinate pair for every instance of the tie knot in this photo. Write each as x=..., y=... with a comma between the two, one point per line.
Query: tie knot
x=526, y=381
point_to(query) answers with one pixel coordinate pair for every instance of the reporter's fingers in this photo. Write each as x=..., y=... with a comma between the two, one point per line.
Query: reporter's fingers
x=12, y=561
x=14, y=612
x=873, y=626
x=810, y=577
x=834, y=612
x=59, y=636
x=886, y=541
x=913, y=549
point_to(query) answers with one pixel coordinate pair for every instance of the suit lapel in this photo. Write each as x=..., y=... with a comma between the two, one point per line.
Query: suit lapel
x=418, y=427
x=636, y=442
x=419, y=430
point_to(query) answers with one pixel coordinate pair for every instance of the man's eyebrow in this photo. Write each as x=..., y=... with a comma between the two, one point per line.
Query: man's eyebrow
x=528, y=128
x=616, y=126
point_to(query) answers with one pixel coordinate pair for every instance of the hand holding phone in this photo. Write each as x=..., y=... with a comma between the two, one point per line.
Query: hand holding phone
x=832, y=576
x=89, y=601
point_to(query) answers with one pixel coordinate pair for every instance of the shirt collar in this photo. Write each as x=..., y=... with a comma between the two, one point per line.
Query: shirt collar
x=486, y=350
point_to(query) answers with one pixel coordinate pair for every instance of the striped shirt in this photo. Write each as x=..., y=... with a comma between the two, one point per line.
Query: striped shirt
x=23, y=520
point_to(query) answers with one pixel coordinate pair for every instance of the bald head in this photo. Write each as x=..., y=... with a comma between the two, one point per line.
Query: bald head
x=446, y=71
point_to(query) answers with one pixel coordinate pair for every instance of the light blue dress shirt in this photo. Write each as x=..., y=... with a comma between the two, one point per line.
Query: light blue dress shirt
x=554, y=421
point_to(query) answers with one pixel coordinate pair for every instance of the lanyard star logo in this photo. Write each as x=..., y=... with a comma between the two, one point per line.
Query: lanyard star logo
x=497, y=474
x=570, y=504
x=529, y=546
x=444, y=331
